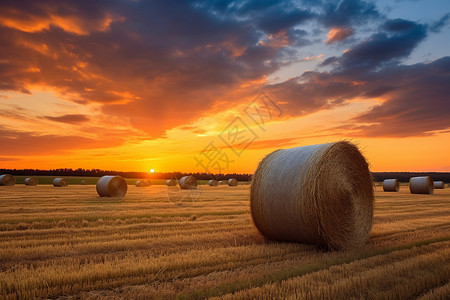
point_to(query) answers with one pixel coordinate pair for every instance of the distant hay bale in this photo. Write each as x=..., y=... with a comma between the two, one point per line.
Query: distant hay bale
x=142, y=183
x=421, y=185
x=221, y=182
x=439, y=185
x=318, y=194
x=30, y=181
x=391, y=185
x=7, y=180
x=83, y=182
x=188, y=182
x=232, y=182
x=60, y=182
x=111, y=186
x=213, y=182
x=171, y=182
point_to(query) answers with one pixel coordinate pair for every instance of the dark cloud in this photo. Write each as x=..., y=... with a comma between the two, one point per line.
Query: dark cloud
x=397, y=41
x=348, y=12
x=71, y=119
x=440, y=24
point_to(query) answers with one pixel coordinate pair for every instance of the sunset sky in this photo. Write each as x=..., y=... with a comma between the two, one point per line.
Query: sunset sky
x=214, y=86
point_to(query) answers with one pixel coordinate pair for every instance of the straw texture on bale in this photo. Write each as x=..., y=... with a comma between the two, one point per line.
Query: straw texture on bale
x=83, y=182
x=7, y=180
x=188, y=182
x=213, y=182
x=60, y=182
x=391, y=185
x=142, y=183
x=232, y=182
x=421, y=185
x=111, y=186
x=439, y=185
x=171, y=182
x=318, y=194
x=31, y=181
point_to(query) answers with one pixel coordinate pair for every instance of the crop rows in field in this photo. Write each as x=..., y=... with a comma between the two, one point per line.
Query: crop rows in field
x=69, y=243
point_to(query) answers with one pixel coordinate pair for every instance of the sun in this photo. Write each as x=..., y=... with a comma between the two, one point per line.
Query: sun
x=152, y=171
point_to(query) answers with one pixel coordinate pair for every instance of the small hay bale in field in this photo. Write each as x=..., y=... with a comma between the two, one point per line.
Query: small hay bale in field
x=142, y=183
x=188, y=182
x=439, y=185
x=30, y=181
x=7, y=180
x=318, y=194
x=171, y=182
x=391, y=185
x=221, y=182
x=232, y=182
x=213, y=182
x=83, y=182
x=111, y=186
x=421, y=185
x=60, y=182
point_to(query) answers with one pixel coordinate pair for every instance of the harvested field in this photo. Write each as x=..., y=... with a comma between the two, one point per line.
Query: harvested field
x=165, y=242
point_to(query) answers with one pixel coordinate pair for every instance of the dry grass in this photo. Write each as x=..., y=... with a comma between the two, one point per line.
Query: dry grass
x=72, y=243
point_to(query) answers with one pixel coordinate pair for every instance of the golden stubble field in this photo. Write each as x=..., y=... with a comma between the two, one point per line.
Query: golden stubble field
x=69, y=243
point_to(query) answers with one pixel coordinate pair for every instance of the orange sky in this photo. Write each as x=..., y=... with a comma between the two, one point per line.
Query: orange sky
x=104, y=87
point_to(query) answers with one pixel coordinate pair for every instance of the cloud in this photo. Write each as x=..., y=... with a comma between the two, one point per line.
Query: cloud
x=348, y=12
x=415, y=97
x=440, y=24
x=29, y=143
x=159, y=64
x=71, y=119
x=338, y=34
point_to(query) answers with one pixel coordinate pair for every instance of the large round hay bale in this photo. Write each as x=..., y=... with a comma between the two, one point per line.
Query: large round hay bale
x=30, y=181
x=171, y=182
x=391, y=185
x=421, y=185
x=439, y=185
x=83, y=182
x=188, y=182
x=232, y=182
x=111, y=186
x=213, y=182
x=143, y=183
x=7, y=180
x=319, y=194
x=60, y=182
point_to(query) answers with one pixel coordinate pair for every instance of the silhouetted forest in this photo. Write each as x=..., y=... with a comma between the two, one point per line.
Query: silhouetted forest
x=98, y=173
x=378, y=176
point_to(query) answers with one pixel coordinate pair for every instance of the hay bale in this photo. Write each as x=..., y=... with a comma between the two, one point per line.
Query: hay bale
x=421, y=185
x=143, y=183
x=83, y=182
x=439, y=185
x=221, y=182
x=188, y=182
x=31, y=181
x=111, y=186
x=7, y=180
x=319, y=194
x=171, y=182
x=213, y=182
x=60, y=182
x=391, y=185
x=232, y=182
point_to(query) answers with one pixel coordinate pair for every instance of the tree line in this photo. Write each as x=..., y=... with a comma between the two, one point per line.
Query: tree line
x=378, y=176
